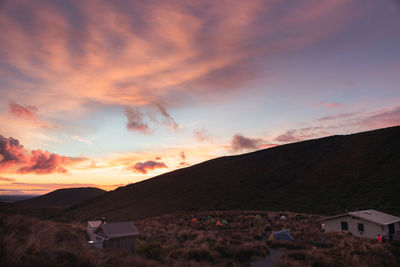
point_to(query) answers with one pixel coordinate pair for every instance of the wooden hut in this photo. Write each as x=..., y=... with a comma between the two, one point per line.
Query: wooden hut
x=121, y=235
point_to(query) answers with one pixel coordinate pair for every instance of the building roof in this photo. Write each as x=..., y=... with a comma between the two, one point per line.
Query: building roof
x=94, y=224
x=120, y=229
x=375, y=216
x=369, y=215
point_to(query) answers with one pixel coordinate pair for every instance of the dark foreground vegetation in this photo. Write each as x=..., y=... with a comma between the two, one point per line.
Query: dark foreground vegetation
x=353, y=172
x=174, y=240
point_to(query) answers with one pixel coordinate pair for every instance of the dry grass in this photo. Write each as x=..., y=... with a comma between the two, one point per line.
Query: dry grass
x=174, y=240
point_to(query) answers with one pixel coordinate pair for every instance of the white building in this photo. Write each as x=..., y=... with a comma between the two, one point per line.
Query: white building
x=367, y=223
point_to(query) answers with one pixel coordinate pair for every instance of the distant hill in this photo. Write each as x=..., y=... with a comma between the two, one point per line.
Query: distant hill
x=62, y=198
x=324, y=176
x=14, y=198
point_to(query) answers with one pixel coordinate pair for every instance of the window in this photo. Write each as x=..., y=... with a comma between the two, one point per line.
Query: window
x=361, y=227
x=345, y=226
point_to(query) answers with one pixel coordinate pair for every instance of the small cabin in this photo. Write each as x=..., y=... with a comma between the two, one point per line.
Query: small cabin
x=121, y=235
x=368, y=223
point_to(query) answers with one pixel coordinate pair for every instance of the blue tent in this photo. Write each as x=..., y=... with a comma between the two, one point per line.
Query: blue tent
x=281, y=235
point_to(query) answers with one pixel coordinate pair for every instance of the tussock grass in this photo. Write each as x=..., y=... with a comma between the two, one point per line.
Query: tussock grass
x=174, y=240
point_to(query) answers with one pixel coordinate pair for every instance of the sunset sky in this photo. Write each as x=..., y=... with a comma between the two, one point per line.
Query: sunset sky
x=107, y=93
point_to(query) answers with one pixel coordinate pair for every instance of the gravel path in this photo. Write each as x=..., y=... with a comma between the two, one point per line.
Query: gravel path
x=270, y=260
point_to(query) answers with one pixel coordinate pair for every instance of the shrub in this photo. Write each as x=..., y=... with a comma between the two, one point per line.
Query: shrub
x=199, y=255
x=297, y=255
x=150, y=250
x=223, y=251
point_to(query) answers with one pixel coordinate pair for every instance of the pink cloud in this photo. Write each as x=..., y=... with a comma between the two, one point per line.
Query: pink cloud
x=152, y=58
x=44, y=163
x=135, y=121
x=28, y=112
x=296, y=135
x=201, y=135
x=144, y=167
x=333, y=105
x=240, y=142
x=12, y=152
x=170, y=122
x=326, y=105
x=38, y=162
x=381, y=118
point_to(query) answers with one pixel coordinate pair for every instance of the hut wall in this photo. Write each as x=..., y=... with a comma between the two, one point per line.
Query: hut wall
x=124, y=243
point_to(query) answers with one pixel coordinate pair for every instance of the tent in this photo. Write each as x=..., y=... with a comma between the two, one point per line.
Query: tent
x=281, y=235
x=258, y=216
x=218, y=223
x=194, y=220
x=224, y=221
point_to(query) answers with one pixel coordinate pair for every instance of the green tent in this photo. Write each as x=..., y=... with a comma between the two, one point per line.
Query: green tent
x=224, y=221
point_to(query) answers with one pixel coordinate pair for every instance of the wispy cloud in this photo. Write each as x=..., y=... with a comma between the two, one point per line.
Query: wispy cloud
x=81, y=139
x=18, y=110
x=295, y=135
x=202, y=135
x=138, y=53
x=135, y=121
x=6, y=179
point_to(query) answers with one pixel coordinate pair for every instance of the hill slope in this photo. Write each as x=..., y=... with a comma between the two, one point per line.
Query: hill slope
x=326, y=175
x=62, y=198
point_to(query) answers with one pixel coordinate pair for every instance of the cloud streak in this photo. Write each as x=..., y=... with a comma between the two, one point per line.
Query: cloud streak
x=28, y=112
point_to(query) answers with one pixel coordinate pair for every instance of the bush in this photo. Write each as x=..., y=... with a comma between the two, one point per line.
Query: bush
x=150, y=250
x=297, y=255
x=223, y=251
x=199, y=255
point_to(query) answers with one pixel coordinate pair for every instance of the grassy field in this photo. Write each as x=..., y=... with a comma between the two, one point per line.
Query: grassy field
x=174, y=240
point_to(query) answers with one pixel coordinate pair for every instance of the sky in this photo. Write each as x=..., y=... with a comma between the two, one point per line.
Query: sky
x=107, y=93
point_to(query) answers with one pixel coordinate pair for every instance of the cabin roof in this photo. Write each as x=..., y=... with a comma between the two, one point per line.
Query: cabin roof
x=94, y=224
x=375, y=216
x=120, y=229
x=369, y=215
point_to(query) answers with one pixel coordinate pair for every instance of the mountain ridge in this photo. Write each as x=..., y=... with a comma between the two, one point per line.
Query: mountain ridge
x=61, y=198
x=325, y=175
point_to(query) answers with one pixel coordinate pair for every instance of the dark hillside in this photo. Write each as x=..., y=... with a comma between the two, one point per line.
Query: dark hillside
x=324, y=176
x=62, y=198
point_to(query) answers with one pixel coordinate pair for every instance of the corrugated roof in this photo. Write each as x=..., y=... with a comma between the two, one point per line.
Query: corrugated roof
x=369, y=215
x=375, y=216
x=120, y=229
x=94, y=224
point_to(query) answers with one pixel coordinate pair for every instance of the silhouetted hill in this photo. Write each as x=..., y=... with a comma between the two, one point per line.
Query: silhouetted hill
x=62, y=198
x=14, y=198
x=325, y=176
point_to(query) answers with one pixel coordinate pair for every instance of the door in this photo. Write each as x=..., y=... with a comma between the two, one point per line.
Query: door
x=391, y=229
